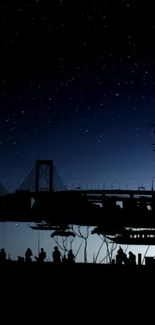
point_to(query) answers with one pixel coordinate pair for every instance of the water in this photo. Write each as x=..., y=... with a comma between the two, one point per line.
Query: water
x=17, y=237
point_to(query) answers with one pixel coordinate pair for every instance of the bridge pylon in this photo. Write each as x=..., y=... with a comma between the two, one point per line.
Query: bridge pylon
x=44, y=175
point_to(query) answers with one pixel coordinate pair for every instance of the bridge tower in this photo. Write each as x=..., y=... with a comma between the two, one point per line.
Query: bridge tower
x=44, y=175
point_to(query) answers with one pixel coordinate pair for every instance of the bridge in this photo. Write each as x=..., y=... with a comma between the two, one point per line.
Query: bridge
x=42, y=177
x=114, y=213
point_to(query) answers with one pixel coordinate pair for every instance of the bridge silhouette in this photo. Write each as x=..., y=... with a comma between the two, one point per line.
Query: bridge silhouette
x=42, y=177
x=112, y=212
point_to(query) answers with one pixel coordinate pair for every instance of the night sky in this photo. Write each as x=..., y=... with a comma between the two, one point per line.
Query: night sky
x=77, y=86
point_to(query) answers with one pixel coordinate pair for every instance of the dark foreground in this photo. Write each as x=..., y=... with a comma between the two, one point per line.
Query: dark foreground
x=96, y=276
x=93, y=290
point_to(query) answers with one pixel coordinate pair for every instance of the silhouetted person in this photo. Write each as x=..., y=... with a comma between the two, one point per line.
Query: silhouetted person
x=42, y=256
x=56, y=255
x=64, y=260
x=2, y=255
x=20, y=259
x=132, y=258
x=120, y=250
x=121, y=257
x=28, y=255
x=71, y=257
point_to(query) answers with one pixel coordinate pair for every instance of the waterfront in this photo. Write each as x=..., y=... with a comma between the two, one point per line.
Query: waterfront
x=16, y=238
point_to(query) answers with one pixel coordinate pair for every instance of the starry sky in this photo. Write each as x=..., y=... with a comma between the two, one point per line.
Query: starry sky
x=77, y=86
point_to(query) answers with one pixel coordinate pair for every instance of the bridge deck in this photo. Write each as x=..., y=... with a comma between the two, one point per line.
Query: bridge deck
x=81, y=207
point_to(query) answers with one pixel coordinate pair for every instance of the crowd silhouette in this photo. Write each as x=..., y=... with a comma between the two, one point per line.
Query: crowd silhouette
x=121, y=257
x=57, y=257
